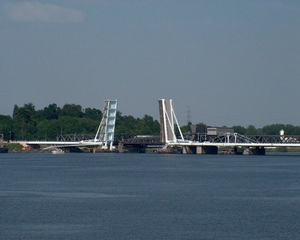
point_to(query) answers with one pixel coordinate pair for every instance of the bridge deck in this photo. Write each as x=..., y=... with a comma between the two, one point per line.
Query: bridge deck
x=230, y=140
x=233, y=140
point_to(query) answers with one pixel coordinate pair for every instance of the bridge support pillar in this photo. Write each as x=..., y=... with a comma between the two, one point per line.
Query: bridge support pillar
x=207, y=150
x=120, y=147
x=189, y=150
x=200, y=150
x=255, y=151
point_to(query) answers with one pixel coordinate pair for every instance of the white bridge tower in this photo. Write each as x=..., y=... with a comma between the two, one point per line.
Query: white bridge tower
x=167, y=122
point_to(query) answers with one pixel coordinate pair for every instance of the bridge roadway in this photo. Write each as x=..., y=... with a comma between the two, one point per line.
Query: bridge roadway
x=198, y=139
x=253, y=144
x=126, y=139
x=132, y=142
x=229, y=139
x=192, y=142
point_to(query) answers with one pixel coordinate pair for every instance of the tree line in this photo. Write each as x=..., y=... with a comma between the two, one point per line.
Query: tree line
x=272, y=129
x=27, y=123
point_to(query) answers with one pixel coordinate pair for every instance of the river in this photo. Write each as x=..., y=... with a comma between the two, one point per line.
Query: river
x=149, y=196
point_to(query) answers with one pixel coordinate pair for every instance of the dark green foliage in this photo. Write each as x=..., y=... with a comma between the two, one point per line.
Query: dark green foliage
x=184, y=129
x=239, y=129
x=251, y=130
x=72, y=110
x=274, y=129
x=52, y=121
x=51, y=112
x=6, y=125
x=92, y=113
x=13, y=146
x=130, y=125
x=24, y=122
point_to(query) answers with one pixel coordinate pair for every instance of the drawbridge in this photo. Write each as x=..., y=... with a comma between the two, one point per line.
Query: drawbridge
x=210, y=144
x=103, y=138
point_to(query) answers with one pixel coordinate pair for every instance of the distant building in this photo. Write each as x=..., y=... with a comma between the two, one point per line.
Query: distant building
x=198, y=128
x=218, y=131
x=210, y=131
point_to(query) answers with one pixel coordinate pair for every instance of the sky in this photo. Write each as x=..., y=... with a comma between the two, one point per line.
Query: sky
x=224, y=63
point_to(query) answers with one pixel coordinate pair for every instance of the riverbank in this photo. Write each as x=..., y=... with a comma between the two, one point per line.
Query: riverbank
x=19, y=148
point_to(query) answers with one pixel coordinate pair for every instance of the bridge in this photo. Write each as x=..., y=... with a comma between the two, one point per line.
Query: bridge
x=103, y=138
x=210, y=144
x=170, y=138
x=139, y=143
x=124, y=142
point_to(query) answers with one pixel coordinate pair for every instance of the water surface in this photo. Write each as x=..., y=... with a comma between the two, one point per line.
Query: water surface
x=149, y=196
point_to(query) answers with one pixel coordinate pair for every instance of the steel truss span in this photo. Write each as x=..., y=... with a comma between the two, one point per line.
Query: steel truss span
x=238, y=138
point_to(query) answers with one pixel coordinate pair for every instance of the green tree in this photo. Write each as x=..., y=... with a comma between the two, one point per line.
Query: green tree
x=251, y=130
x=72, y=110
x=51, y=112
x=24, y=121
x=239, y=129
x=6, y=126
x=42, y=130
x=186, y=128
x=149, y=125
x=93, y=113
x=272, y=129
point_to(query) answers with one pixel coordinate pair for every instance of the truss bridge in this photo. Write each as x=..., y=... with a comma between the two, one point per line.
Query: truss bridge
x=239, y=138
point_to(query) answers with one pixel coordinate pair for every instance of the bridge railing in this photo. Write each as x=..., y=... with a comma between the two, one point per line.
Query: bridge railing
x=151, y=140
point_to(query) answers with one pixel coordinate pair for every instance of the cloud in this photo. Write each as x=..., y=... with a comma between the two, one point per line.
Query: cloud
x=34, y=11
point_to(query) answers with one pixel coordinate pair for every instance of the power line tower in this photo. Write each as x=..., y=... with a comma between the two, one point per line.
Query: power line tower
x=188, y=117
